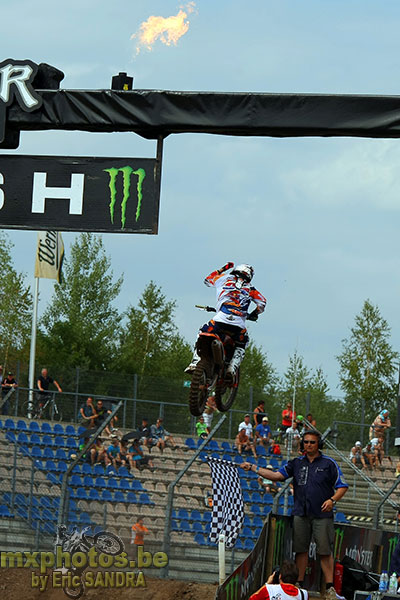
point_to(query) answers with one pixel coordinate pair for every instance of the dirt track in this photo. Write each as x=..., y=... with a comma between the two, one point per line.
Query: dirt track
x=15, y=584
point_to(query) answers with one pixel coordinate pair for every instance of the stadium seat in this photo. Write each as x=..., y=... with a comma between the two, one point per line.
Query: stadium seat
x=9, y=424
x=131, y=498
x=260, y=451
x=71, y=443
x=100, y=482
x=62, y=466
x=340, y=517
x=213, y=445
x=22, y=438
x=45, y=428
x=274, y=463
x=36, y=452
x=47, y=440
x=251, y=460
x=81, y=493
x=247, y=532
x=256, y=532
x=20, y=499
x=21, y=425
x=189, y=442
x=200, y=539
x=107, y=496
x=4, y=511
x=51, y=465
x=52, y=478
x=238, y=459
x=197, y=527
x=10, y=437
x=268, y=498
x=183, y=514
x=255, y=509
x=58, y=429
x=254, y=485
x=112, y=483
x=203, y=456
x=261, y=462
x=87, y=469
x=136, y=485
x=80, y=431
x=97, y=469
x=195, y=516
x=77, y=469
x=60, y=454
x=48, y=453
x=246, y=521
x=120, y=497
x=239, y=545
x=246, y=497
x=124, y=484
x=184, y=526
x=256, y=497
x=35, y=439
x=227, y=457
x=123, y=472
x=34, y=426
x=206, y=517
x=70, y=430
x=85, y=518
x=244, y=485
x=145, y=499
x=48, y=515
x=248, y=544
x=88, y=481
x=59, y=441
x=174, y=525
x=46, y=503
x=22, y=512
x=75, y=481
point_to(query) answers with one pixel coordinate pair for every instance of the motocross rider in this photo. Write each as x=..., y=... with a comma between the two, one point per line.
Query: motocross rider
x=234, y=294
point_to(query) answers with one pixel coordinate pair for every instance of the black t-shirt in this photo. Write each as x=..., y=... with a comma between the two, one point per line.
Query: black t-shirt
x=102, y=414
x=45, y=382
x=7, y=383
x=145, y=431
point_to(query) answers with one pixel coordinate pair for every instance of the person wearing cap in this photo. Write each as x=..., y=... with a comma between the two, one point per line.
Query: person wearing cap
x=270, y=487
x=7, y=384
x=262, y=432
x=356, y=455
x=380, y=424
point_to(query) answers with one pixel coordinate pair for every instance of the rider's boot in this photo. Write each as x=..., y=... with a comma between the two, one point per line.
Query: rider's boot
x=235, y=363
x=193, y=364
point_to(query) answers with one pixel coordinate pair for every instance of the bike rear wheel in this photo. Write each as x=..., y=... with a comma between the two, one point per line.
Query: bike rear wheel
x=225, y=395
x=198, y=391
x=108, y=543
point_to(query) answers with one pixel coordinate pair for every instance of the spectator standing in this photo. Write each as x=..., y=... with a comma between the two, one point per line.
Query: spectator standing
x=201, y=428
x=87, y=413
x=138, y=532
x=318, y=484
x=288, y=416
x=7, y=384
x=209, y=411
x=377, y=449
x=285, y=588
x=43, y=382
x=161, y=436
x=101, y=414
x=262, y=433
x=259, y=413
x=292, y=436
x=274, y=448
x=380, y=424
x=356, y=455
x=369, y=456
x=311, y=420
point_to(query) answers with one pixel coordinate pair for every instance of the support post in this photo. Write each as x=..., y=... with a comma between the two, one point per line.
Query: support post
x=221, y=558
x=33, y=347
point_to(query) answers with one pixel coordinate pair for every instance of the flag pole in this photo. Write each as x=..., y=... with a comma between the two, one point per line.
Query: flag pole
x=32, y=354
x=221, y=558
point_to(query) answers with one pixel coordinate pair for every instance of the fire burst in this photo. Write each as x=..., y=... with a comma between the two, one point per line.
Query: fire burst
x=167, y=29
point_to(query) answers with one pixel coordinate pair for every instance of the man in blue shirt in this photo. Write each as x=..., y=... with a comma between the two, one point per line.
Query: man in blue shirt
x=318, y=484
x=263, y=432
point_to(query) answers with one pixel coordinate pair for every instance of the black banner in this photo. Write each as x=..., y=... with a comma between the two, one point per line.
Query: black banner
x=66, y=193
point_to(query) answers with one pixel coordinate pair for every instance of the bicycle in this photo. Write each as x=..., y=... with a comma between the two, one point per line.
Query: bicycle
x=45, y=407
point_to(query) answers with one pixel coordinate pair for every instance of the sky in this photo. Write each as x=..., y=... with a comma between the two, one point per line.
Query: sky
x=317, y=218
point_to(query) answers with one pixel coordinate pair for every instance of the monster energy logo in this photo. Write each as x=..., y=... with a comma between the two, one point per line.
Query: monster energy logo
x=392, y=544
x=279, y=535
x=339, y=535
x=126, y=183
x=232, y=588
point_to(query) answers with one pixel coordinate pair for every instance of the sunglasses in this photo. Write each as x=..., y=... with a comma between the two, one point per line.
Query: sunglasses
x=309, y=442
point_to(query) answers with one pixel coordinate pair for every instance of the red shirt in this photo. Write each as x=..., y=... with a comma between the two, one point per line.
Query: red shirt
x=287, y=417
x=288, y=589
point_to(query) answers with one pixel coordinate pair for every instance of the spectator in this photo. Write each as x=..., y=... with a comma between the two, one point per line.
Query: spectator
x=356, y=456
x=282, y=584
x=113, y=453
x=248, y=427
x=100, y=453
x=259, y=413
x=209, y=411
x=87, y=413
x=369, y=456
x=274, y=448
x=377, y=449
x=288, y=416
x=7, y=384
x=398, y=468
x=161, y=435
x=137, y=459
x=43, y=382
x=146, y=438
x=243, y=442
x=101, y=414
x=271, y=487
x=318, y=485
x=379, y=425
x=292, y=437
x=1, y=373
x=201, y=428
x=138, y=532
x=311, y=420
x=263, y=433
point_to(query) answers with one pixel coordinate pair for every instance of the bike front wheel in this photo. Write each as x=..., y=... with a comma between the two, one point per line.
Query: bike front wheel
x=36, y=411
x=225, y=394
x=108, y=543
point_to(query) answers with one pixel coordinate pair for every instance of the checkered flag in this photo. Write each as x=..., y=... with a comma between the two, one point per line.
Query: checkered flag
x=228, y=507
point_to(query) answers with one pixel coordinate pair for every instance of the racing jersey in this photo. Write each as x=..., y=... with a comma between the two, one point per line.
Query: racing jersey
x=233, y=302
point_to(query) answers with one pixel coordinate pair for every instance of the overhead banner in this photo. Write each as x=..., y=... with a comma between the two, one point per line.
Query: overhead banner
x=71, y=193
x=49, y=255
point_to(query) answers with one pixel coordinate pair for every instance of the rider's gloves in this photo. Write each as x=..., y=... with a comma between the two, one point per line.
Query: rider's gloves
x=229, y=265
x=253, y=316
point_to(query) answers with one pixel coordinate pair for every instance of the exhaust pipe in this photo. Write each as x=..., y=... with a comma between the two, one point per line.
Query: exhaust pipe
x=218, y=352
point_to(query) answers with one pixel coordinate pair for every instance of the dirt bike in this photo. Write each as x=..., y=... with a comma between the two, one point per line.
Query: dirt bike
x=81, y=541
x=210, y=372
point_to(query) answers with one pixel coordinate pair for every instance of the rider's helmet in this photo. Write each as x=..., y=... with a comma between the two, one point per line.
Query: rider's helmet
x=246, y=272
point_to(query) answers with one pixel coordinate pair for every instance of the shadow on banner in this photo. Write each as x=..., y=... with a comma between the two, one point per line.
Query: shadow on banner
x=248, y=577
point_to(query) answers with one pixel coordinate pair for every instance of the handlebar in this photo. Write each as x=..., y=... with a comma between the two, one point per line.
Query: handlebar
x=253, y=316
x=206, y=308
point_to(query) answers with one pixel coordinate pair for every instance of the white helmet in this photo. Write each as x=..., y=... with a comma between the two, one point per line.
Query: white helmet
x=244, y=271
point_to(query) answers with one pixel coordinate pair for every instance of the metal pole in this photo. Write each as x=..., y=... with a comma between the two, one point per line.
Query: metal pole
x=170, y=497
x=17, y=390
x=14, y=476
x=362, y=420
x=221, y=558
x=33, y=345
x=250, y=399
x=76, y=394
x=31, y=493
x=397, y=434
x=308, y=397
x=135, y=385
x=157, y=174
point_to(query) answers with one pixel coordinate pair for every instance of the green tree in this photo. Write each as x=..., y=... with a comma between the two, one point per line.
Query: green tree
x=15, y=308
x=258, y=375
x=368, y=365
x=149, y=342
x=80, y=327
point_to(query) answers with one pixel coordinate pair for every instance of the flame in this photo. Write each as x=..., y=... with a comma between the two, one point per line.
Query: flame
x=168, y=29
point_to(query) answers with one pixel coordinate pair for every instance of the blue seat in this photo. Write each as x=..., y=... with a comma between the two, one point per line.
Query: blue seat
x=70, y=430
x=136, y=485
x=183, y=514
x=36, y=452
x=248, y=544
x=174, y=525
x=59, y=441
x=4, y=511
x=203, y=456
x=255, y=509
x=20, y=499
x=131, y=497
x=51, y=465
x=239, y=545
x=251, y=460
x=94, y=494
x=246, y=521
x=87, y=469
x=206, y=517
x=190, y=443
x=88, y=481
x=85, y=518
x=81, y=494
x=200, y=539
x=71, y=443
x=247, y=532
x=73, y=506
x=100, y=482
x=107, y=496
x=97, y=470
x=10, y=437
x=238, y=459
x=254, y=485
x=244, y=485
x=274, y=463
x=226, y=446
x=34, y=426
x=22, y=512
x=58, y=429
x=260, y=451
x=77, y=469
x=124, y=484
x=48, y=453
x=184, y=526
x=72, y=518
x=246, y=497
x=21, y=425
x=81, y=430
x=46, y=503
x=62, y=466
x=52, y=478
x=268, y=498
x=256, y=532
x=256, y=497
x=261, y=462
x=112, y=483
x=257, y=522
x=195, y=515
x=45, y=428
x=9, y=424
x=197, y=527
x=60, y=454
x=35, y=439
x=22, y=438
x=120, y=496
x=227, y=457
x=145, y=499
x=123, y=472
x=340, y=517
x=56, y=502
x=48, y=515
x=213, y=445
x=75, y=481
x=47, y=440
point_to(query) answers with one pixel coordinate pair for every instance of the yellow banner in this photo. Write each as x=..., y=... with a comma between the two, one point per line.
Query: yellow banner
x=49, y=255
